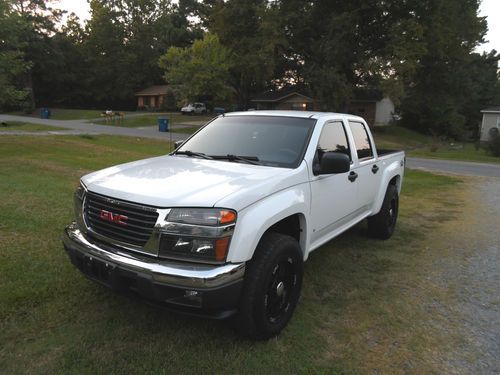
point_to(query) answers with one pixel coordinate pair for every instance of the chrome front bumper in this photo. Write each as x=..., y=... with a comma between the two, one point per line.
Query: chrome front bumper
x=164, y=272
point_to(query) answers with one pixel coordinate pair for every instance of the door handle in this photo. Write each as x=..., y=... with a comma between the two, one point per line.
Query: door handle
x=352, y=176
x=375, y=169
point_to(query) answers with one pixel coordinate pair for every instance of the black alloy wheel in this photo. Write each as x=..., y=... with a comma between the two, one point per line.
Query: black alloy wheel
x=273, y=279
x=281, y=287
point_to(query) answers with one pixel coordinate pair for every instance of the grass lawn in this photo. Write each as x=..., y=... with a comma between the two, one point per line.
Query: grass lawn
x=361, y=310
x=16, y=126
x=66, y=114
x=419, y=145
x=467, y=152
x=184, y=129
x=147, y=119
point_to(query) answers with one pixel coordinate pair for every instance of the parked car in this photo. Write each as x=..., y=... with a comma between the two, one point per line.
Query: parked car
x=221, y=226
x=194, y=108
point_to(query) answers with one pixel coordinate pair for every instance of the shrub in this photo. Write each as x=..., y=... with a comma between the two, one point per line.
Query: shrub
x=493, y=146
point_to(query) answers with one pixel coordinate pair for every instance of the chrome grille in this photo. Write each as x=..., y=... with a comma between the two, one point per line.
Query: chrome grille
x=139, y=224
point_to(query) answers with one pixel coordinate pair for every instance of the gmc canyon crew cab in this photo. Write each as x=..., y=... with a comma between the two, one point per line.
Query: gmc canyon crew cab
x=222, y=225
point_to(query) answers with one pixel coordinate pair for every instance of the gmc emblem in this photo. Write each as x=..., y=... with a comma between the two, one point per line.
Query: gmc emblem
x=113, y=218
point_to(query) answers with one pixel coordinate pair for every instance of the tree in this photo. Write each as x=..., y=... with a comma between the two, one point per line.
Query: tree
x=12, y=63
x=441, y=89
x=64, y=72
x=335, y=46
x=125, y=39
x=199, y=71
x=37, y=21
x=251, y=31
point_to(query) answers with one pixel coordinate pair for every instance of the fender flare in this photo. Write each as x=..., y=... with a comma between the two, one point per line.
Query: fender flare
x=256, y=219
x=391, y=172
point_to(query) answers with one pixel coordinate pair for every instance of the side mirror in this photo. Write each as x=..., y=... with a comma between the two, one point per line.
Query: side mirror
x=178, y=144
x=333, y=162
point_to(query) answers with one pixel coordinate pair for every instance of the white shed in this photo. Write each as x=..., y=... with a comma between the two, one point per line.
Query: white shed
x=384, y=111
x=490, y=126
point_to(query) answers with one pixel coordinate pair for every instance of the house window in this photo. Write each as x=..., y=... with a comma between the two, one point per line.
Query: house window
x=300, y=106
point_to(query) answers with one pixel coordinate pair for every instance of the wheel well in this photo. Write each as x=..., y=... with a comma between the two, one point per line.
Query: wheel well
x=293, y=226
x=395, y=181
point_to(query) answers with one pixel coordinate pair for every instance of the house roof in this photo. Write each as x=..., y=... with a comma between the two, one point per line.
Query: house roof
x=153, y=90
x=495, y=109
x=367, y=95
x=279, y=95
x=359, y=94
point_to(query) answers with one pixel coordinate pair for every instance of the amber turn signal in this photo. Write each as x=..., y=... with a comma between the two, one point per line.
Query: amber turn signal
x=221, y=246
x=227, y=217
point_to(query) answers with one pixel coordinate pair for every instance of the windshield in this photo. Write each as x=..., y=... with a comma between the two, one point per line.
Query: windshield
x=265, y=140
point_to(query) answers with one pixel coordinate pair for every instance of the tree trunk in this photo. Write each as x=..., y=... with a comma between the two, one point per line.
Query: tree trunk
x=28, y=83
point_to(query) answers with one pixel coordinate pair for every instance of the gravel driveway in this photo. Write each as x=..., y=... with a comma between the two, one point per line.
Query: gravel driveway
x=470, y=270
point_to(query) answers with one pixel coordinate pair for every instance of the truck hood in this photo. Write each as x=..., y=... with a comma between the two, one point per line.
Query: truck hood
x=175, y=181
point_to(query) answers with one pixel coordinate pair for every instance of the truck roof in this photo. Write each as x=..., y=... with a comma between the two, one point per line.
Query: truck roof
x=300, y=114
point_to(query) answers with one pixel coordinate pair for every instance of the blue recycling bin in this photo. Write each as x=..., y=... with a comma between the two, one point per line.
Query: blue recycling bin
x=44, y=113
x=163, y=124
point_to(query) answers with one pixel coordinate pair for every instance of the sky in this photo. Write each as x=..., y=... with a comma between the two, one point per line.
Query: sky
x=489, y=9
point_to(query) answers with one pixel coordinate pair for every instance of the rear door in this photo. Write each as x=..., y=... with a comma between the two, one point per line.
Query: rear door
x=333, y=195
x=367, y=169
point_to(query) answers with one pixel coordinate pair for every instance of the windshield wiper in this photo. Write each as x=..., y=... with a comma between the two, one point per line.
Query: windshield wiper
x=230, y=157
x=192, y=153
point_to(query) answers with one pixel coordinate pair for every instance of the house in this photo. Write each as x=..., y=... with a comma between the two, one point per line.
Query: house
x=372, y=105
x=490, y=126
x=369, y=104
x=285, y=99
x=153, y=97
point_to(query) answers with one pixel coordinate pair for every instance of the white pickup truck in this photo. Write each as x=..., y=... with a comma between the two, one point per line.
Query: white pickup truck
x=222, y=225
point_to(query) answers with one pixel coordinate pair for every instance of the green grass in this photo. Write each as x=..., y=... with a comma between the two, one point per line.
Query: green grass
x=419, y=145
x=66, y=114
x=363, y=305
x=399, y=137
x=464, y=152
x=184, y=129
x=137, y=121
x=16, y=126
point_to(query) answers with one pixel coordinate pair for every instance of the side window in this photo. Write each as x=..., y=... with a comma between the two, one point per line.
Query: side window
x=333, y=139
x=361, y=140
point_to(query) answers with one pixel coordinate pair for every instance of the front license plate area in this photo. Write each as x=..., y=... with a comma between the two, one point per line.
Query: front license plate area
x=98, y=270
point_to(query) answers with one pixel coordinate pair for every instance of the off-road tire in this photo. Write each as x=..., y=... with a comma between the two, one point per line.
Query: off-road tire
x=263, y=312
x=382, y=224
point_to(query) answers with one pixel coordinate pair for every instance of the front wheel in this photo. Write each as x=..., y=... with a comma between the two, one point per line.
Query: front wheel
x=272, y=287
x=382, y=225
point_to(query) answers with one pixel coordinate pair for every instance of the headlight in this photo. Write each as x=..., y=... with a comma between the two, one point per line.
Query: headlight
x=197, y=233
x=202, y=216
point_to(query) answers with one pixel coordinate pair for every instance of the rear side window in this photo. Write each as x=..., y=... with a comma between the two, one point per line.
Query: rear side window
x=333, y=139
x=361, y=140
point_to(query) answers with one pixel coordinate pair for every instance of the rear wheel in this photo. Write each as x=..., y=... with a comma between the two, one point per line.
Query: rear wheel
x=382, y=225
x=272, y=287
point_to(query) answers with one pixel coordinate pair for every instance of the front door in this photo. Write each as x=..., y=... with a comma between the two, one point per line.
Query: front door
x=334, y=195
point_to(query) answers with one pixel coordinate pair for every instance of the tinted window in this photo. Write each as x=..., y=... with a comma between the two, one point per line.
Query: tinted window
x=361, y=140
x=275, y=141
x=333, y=139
